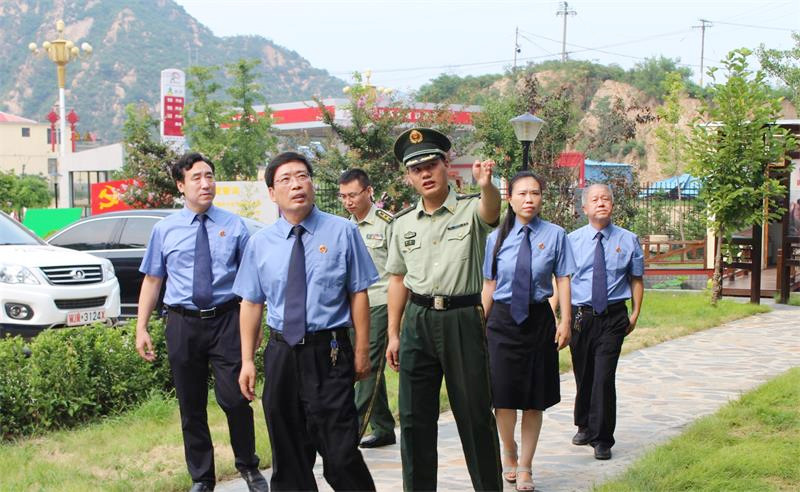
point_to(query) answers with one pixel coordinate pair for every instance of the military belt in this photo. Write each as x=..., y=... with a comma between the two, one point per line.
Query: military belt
x=444, y=303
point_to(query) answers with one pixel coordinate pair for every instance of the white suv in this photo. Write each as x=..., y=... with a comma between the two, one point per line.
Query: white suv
x=42, y=286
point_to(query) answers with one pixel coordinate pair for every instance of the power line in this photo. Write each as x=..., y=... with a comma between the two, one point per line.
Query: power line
x=755, y=27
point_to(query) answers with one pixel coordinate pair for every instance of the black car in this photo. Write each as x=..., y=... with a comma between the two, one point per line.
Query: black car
x=121, y=237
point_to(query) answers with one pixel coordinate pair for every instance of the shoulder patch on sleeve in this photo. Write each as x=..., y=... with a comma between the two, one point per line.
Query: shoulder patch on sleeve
x=405, y=211
x=461, y=196
x=384, y=216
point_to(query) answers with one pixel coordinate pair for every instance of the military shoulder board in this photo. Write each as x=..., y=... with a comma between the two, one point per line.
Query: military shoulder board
x=384, y=216
x=405, y=211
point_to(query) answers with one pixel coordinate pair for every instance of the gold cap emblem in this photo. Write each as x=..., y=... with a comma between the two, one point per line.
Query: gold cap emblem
x=415, y=136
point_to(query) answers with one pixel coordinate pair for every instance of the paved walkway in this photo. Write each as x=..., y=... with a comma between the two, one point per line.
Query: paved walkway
x=660, y=390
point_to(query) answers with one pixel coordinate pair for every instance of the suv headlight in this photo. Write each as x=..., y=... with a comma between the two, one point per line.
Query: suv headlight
x=16, y=274
x=108, y=271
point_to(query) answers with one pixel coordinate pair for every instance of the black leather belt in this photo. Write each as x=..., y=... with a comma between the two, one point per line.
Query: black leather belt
x=315, y=337
x=611, y=308
x=209, y=313
x=443, y=303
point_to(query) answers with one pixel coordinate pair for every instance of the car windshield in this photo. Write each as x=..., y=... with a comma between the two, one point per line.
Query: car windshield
x=11, y=232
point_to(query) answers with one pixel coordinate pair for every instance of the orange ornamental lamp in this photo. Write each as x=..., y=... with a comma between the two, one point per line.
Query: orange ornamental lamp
x=61, y=52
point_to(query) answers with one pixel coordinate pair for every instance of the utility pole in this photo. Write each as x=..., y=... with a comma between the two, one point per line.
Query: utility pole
x=704, y=24
x=565, y=11
x=516, y=49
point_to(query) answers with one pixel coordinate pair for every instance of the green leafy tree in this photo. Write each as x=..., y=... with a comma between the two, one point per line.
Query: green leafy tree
x=671, y=138
x=147, y=160
x=203, y=113
x=248, y=137
x=784, y=64
x=731, y=147
x=25, y=191
x=650, y=75
x=230, y=132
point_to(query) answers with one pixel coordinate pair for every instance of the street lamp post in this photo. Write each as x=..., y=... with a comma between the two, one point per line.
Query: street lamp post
x=526, y=128
x=61, y=52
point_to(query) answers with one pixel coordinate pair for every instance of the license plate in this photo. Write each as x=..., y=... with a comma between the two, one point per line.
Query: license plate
x=85, y=317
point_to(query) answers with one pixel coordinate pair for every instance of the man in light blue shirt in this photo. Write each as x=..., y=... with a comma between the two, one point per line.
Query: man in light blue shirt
x=312, y=270
x=198, y=251
x=610, y=266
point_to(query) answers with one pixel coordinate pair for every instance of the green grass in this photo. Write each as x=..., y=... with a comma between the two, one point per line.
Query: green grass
x=143, y=448
x=750, y=444
x=794, y=298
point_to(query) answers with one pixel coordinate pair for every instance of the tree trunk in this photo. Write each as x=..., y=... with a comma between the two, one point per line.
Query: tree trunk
x=716, y=285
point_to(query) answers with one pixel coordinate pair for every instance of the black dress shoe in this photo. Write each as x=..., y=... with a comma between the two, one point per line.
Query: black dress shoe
x=581, y=438
x=602, y=452
x=376, y=442
x=255, y=480
x=201, y=487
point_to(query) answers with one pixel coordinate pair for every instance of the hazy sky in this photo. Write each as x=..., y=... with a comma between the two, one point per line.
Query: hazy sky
x=406, y=43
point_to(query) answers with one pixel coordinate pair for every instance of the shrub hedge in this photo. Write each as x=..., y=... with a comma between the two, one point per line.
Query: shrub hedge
x=69, y=376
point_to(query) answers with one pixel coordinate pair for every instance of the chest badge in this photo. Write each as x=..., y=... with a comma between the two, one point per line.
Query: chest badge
x=323, y=249
x=541, y=245
x=409, y=234
x=619, y=250
x=222, y=233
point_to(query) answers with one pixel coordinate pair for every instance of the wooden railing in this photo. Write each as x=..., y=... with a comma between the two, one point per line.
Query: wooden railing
x=679, y=254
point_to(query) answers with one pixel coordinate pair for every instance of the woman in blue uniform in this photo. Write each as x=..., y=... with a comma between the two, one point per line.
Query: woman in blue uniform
x=522, y=257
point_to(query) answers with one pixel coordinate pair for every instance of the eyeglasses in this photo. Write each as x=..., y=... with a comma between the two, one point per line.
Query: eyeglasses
x=286, y=180
x=352, y=195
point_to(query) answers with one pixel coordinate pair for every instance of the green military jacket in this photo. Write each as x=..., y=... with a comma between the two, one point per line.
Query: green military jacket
x=440, y=253
x=376, y=230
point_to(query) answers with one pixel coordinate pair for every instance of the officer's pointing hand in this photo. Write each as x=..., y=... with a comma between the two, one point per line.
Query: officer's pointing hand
x=482, y=172
x=247, y=380
x=393, y=353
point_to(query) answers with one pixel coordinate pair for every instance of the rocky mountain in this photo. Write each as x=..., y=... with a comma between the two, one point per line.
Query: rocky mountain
x=133, y=41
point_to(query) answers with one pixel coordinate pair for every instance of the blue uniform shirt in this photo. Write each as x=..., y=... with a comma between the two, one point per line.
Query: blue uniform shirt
x=337, y=264
x=624, y=259
x=551, y=255
x=170, y=253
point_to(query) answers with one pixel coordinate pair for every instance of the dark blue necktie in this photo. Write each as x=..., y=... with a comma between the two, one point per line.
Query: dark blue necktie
x=294, y=303
x=599, y=286
x=203, y=280
x=521, y=285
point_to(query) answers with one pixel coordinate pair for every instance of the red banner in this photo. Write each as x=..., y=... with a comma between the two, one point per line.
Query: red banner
x=105, y=196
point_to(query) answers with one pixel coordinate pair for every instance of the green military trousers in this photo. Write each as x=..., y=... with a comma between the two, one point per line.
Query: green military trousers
x=381, y=419
x=450, y=344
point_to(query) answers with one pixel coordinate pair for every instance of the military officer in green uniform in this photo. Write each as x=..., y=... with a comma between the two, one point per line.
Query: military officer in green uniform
x=434, y=262
x=375, y=226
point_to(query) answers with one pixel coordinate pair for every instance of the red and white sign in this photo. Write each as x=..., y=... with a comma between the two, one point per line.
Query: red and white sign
x=173, y=92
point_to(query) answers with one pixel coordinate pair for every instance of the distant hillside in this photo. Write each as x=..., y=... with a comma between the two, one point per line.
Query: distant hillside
x=133, y=41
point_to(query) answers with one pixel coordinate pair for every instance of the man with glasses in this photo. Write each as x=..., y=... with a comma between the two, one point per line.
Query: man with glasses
x=375, y=226
x=312, y=270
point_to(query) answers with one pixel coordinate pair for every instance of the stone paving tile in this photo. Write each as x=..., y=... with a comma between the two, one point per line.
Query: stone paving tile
x=660, y=391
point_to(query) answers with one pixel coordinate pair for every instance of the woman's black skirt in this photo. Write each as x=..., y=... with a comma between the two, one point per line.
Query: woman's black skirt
x=523, y=358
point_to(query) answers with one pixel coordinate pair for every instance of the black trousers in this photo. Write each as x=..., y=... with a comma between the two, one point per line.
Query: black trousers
x=309, y=406
x=595, y=347
x=191, y=344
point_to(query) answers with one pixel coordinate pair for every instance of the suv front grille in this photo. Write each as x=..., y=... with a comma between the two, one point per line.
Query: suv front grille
x=74, y=275
x=80, y=303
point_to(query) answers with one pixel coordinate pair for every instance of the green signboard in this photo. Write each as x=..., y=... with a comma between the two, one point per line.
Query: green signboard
x=45, y=221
